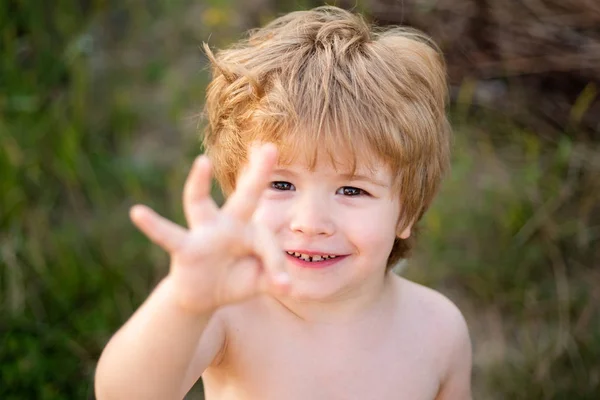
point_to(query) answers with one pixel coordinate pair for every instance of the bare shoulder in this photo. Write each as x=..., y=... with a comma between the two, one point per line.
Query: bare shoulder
x=218, y=337
x=241, y=318
x=441, y=312
x=442, y=322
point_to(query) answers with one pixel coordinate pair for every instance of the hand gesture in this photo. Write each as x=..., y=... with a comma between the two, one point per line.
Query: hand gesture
x=223, y=257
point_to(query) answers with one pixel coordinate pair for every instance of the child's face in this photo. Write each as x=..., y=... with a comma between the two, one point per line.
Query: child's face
x=326, y=212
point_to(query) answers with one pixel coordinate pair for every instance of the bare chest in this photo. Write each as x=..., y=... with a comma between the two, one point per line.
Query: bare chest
x=278, y=362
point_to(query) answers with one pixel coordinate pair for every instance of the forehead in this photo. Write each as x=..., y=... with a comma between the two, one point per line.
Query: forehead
x=339, y=160
x=343, y=152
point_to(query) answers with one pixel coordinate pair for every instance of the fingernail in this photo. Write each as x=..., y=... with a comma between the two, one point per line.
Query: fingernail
x=136, y=210
x=200, y=159
x=269, y=146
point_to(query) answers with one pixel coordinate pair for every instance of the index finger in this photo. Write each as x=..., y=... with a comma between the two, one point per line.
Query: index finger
x=252, y=182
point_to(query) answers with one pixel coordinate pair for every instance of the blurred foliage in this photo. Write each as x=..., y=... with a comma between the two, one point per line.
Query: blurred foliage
x=98, y=110
x=74, y=155
x=507, y=240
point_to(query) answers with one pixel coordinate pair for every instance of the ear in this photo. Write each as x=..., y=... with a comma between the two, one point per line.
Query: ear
x=404, y=233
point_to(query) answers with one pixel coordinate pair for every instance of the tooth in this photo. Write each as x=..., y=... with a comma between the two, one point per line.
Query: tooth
x=307, y=257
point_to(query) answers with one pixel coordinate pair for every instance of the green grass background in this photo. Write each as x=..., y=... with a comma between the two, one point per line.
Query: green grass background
x=99, y=105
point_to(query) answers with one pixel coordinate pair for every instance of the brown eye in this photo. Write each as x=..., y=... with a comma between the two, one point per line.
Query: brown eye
x=282, y=185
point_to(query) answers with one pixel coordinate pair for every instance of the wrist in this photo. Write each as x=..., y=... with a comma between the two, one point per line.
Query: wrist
x=169, y=293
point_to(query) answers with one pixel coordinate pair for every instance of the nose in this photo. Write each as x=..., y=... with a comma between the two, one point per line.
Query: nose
x=312, y=216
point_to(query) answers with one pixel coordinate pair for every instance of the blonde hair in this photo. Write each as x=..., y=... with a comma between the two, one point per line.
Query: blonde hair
x=325, y=80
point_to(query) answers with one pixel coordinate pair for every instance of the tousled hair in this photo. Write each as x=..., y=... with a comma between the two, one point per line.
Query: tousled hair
x=325, y=82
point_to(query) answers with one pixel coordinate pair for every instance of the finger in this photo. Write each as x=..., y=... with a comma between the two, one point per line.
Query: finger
x=252, y=182
x=197, y=203
x=275, y=275
x=160, y=230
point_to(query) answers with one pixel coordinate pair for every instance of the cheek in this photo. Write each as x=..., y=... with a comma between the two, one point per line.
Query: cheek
x=374, y=231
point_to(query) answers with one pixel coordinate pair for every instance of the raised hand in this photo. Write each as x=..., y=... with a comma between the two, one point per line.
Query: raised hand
x=223, y=257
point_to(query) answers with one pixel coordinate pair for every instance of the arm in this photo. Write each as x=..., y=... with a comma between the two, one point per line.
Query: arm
x=222, y=258
x=456, y=384
x=148, y=358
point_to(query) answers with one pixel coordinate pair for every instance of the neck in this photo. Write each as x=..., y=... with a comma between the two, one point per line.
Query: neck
x=346, y=307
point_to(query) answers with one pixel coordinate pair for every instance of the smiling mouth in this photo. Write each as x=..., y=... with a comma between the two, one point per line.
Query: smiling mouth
x=311, y=258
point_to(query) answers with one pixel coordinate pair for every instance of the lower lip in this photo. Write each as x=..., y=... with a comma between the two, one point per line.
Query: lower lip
x=315, y=264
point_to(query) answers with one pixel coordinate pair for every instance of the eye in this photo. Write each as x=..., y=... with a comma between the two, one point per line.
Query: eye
x=351, y=191
x=282, y=185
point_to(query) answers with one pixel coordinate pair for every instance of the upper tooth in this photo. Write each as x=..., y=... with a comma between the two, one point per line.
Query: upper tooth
x=310, y=258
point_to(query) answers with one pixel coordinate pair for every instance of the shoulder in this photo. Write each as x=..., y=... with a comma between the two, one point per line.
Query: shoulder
x=448, y=332
x=219, y=336
x=242, y=322
x=438, y=317
x=439, y=309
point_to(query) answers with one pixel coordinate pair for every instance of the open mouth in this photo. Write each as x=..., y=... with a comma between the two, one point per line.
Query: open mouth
x=311, y=258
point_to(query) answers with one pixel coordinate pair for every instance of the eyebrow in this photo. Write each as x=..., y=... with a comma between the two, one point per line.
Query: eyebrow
x=364, y=178
x=346, y=176
x=283, y=171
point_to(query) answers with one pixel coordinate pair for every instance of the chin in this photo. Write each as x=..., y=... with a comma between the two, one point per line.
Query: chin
x=318, y=291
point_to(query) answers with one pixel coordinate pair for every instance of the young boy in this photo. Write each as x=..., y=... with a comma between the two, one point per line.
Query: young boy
x=330, y=140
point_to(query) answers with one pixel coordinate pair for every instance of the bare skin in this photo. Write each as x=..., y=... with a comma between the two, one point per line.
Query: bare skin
x=255, y=323
x=412, y=345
